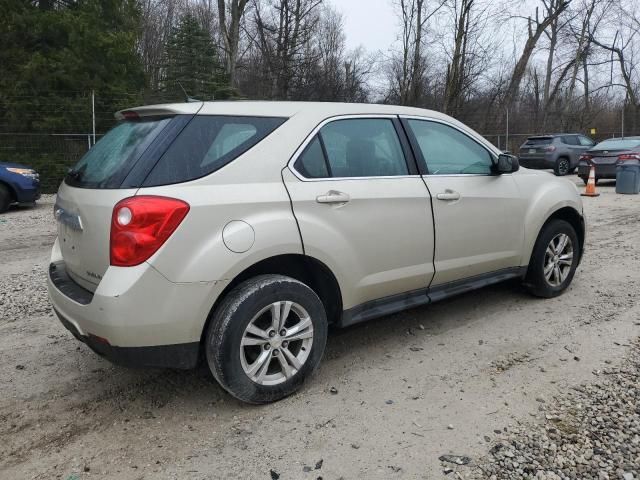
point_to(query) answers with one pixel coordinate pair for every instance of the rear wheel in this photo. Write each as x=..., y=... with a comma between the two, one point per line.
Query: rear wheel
x=563, y=166
x=5, y=198
x=554, y=259
x=266, y=338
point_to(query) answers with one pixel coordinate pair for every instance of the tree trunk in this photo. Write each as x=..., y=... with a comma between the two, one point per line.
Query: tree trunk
x=230, y=30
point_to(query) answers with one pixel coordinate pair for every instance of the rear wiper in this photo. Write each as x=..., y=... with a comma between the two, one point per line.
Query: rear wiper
x=76, y=174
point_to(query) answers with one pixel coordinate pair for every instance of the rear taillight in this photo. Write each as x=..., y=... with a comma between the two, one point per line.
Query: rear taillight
x=628, y=156
x=586, y=158
x=550, y=148
x=140, y=226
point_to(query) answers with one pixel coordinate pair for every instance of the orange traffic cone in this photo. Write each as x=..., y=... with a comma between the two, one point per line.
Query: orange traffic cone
x=590, y=191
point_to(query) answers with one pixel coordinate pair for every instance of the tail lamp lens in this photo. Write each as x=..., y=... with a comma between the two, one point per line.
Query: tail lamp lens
x=586, y=158
x=628, y=156
x=550, y=148
x=140, y=225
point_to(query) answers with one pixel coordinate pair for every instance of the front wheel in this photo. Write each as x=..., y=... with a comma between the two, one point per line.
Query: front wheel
x=554, y=259
x=5, y=198
x=266, y=338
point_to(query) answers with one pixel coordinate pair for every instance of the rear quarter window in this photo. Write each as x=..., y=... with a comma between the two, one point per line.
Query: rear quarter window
x=207, y=144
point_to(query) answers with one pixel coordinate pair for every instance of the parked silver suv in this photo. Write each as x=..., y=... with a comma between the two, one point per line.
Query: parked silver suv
x=560, y=152
x=239, y=231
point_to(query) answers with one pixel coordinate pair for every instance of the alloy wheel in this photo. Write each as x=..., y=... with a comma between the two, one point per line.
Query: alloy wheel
x=276, y=343
x=563, y=166
x=558, y=259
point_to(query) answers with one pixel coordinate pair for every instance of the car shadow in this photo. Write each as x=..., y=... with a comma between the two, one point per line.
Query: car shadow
x=195, y=390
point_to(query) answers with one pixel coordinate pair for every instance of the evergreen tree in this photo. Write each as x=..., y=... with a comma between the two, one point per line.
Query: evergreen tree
x=192, y=62
x=55, y=53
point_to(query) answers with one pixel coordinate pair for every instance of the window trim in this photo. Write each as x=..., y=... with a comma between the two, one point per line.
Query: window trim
x=408, y=153
x=421, y=161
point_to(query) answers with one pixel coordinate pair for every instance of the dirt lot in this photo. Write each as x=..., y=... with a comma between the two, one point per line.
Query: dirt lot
x=451, y=378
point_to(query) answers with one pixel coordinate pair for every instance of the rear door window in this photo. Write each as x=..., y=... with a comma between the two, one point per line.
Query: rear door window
x=352, y=148
x=208, y=143
x=570, y=140
x=107, y=163
x=312, y=163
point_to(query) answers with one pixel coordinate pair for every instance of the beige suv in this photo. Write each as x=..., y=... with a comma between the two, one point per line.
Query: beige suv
x=239, y=231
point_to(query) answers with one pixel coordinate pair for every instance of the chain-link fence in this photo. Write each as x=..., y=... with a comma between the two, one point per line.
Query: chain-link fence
x=50, y=154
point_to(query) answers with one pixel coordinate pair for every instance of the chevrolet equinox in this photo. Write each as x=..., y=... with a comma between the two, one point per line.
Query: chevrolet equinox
x=238, y=232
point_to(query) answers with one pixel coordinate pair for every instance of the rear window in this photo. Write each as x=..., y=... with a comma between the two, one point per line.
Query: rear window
x=535, y=141
x=107, y=163
x=208, y=143
x=618, y=144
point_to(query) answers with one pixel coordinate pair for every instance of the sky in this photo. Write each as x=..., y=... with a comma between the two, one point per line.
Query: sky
x=370, y=23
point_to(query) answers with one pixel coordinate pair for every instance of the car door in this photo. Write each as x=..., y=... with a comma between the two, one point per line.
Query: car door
x=478, y=215
x=362, y=207
x=574, y=148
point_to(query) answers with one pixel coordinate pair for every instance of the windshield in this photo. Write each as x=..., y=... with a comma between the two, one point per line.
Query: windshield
x=107, y=163
x=618, y=144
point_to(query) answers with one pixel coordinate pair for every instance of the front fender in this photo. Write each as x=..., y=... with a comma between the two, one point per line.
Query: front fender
x=546, y=195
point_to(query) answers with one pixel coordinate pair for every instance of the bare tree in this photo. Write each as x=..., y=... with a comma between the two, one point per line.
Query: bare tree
x=230, y=15
x=283, y=35
x=535, y=28
x=468, y=57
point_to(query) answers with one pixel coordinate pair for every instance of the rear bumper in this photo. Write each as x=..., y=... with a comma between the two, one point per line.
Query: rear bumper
x=182, y=356
x=136, y=317
x=602, y=171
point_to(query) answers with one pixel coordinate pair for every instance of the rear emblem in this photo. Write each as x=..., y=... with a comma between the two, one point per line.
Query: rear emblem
x=71, y=220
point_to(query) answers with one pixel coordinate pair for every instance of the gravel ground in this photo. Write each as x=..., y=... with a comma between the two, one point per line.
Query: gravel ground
x=487, y=379
x=593, y=431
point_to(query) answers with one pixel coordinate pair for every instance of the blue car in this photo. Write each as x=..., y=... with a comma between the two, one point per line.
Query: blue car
x=18, y=184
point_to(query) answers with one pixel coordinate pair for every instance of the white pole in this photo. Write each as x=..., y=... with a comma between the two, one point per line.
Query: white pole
x=93, y=110
x=89, y=141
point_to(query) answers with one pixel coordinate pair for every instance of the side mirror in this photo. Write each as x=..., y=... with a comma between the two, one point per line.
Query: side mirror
x=506, y=163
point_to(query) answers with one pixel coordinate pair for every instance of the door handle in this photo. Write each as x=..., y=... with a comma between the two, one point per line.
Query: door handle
x=448, y=195
x=333, y=196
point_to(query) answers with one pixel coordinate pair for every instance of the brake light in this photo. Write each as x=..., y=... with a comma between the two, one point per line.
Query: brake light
x=140, y=226
x=628, y=156
x=550, y=148
x=586, y=158
x=130, y=115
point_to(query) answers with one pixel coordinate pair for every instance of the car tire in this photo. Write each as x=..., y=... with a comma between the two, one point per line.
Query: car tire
x=5, y=198
x=551, y=269
x=563, y=167
x=585, y=180
x=244, y=352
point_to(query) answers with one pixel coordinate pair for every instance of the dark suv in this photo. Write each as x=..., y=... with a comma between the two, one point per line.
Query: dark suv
x=560, y=152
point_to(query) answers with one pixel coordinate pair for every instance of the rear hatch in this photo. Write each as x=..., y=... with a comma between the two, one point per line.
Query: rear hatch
x=535, y=146
x=89, y=192
x=150, y=146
